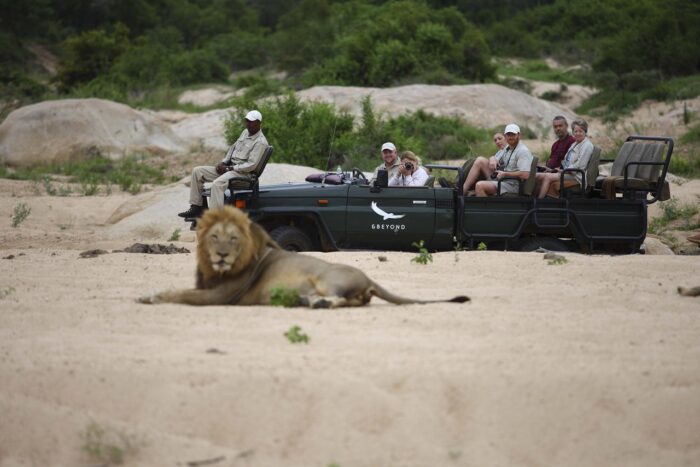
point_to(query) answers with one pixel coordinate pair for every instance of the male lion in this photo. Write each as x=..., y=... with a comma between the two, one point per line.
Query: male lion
x=239, y=264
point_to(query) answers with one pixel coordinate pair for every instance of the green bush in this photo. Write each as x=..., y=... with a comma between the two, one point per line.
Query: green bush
x=315, y=133
x=685, y=165
x=89, y=55
x=380, y=45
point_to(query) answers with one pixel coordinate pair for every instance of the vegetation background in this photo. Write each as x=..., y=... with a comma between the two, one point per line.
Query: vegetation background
x=145, y=52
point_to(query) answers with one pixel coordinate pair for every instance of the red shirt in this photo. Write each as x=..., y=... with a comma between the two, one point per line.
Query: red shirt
x=559, y=149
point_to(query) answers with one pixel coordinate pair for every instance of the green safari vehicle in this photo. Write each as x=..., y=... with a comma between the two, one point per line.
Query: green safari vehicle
x=343, y=211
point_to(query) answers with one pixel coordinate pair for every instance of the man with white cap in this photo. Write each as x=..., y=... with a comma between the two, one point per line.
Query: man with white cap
x=391, y=161
x=242, y=157
x=515, y=162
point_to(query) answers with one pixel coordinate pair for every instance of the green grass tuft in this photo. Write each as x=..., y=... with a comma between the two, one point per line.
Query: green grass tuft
x=282, y=296
x=295, y=336
x=21, y=212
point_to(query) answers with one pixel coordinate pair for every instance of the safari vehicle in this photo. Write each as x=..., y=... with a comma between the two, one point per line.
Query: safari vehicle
x=343, y=211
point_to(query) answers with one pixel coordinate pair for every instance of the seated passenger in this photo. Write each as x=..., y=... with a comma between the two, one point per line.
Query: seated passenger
x=483, y=167
x=559, y=149
x=516, y=162
x=577, y=157
x=410, y=172
x=390, y=164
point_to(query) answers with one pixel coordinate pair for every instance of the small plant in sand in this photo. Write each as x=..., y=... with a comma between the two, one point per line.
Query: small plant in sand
x=20, y=213
x=295, y=336
x=89, y=188
x=64, y=191
x=106, y=446
x=282, y=296
x=481, y=246
x=423, y=256
x=558, y=261
x=6, y=292
x=48, y=186
x=175, y=236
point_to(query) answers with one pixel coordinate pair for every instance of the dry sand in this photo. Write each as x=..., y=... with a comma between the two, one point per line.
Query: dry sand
x=594, y=362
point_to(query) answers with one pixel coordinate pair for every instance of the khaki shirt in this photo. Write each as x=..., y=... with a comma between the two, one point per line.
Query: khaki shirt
x=518, y=159
x=245, y=154
x=393, y=170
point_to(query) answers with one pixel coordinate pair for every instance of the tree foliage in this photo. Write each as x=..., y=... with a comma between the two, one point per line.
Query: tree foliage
x=115, y=48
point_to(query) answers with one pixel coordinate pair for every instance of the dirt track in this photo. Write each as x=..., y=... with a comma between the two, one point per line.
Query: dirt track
x=606, y=374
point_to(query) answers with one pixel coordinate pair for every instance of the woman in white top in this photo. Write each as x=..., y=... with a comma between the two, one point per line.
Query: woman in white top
x=410, y=172
x=577, y=157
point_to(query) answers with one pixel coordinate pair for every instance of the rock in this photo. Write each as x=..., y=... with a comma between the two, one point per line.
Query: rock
x=208, y=96
x=75, y=129
x=654, y=246
x=155, y=249
x=205, y=129
x=573, y=94
x=481, y=105
x=93, y=253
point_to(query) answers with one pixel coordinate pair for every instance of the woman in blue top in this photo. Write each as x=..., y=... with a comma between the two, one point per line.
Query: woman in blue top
x=577, y=157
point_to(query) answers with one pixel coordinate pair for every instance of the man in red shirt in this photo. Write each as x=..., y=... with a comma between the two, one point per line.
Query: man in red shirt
x=559, y=149
x=561, y=145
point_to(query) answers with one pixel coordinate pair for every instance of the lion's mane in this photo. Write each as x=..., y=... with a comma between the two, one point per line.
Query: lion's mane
x=253, y=243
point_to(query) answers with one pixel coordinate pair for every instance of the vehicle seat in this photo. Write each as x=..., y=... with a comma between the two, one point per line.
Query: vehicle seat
x=644, y=163
x=250, y=181
x=430, y=181
x=592, y=170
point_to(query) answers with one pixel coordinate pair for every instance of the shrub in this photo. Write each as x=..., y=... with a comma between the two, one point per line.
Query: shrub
x=89, y=55
x=295, y=336
x=318, y=135
x=20, y=213
x=282, y=296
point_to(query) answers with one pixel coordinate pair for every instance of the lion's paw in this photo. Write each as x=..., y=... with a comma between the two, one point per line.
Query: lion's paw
x=321, y=303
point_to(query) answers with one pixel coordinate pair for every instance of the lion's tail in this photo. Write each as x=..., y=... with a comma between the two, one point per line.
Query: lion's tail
x=379, y=291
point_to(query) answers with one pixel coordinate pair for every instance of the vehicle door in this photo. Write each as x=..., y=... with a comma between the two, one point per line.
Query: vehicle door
x=389, y=218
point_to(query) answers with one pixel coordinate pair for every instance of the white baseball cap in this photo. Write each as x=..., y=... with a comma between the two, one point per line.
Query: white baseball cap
x=512, y=128
x=253, y=115
x=389, y=146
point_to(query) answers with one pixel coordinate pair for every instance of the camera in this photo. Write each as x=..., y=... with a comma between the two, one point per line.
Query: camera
x=494, y=175
x=408, y=166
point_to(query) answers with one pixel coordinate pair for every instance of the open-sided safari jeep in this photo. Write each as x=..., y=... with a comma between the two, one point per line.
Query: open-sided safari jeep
x=343, y=211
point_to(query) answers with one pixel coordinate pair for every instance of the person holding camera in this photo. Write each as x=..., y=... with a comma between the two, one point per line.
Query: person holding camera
x=410, y=172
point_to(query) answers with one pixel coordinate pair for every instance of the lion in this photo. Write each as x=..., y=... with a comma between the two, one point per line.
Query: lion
x=239, y=264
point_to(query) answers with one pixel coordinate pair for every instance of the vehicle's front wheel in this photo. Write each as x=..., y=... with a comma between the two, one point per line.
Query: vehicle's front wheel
x=548, y=243
x=291, y=239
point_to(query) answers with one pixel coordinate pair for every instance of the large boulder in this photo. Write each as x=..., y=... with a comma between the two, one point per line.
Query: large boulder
x=480, y=105
x=73, y=129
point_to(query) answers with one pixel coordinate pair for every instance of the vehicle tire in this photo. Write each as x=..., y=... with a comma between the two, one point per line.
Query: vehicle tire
x=291, y=239
x=548, y=243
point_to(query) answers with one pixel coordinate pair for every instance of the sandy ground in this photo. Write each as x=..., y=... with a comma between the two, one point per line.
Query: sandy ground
x=593, y=362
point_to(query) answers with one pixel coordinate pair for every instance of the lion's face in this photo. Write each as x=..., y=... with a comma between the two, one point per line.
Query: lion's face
x=224, y=242
x=227, y=243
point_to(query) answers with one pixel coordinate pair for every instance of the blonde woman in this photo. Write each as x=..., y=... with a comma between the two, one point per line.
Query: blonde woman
x=410, y=172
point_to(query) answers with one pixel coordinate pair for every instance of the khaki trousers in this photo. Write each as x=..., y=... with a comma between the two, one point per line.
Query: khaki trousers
x=205, y=173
